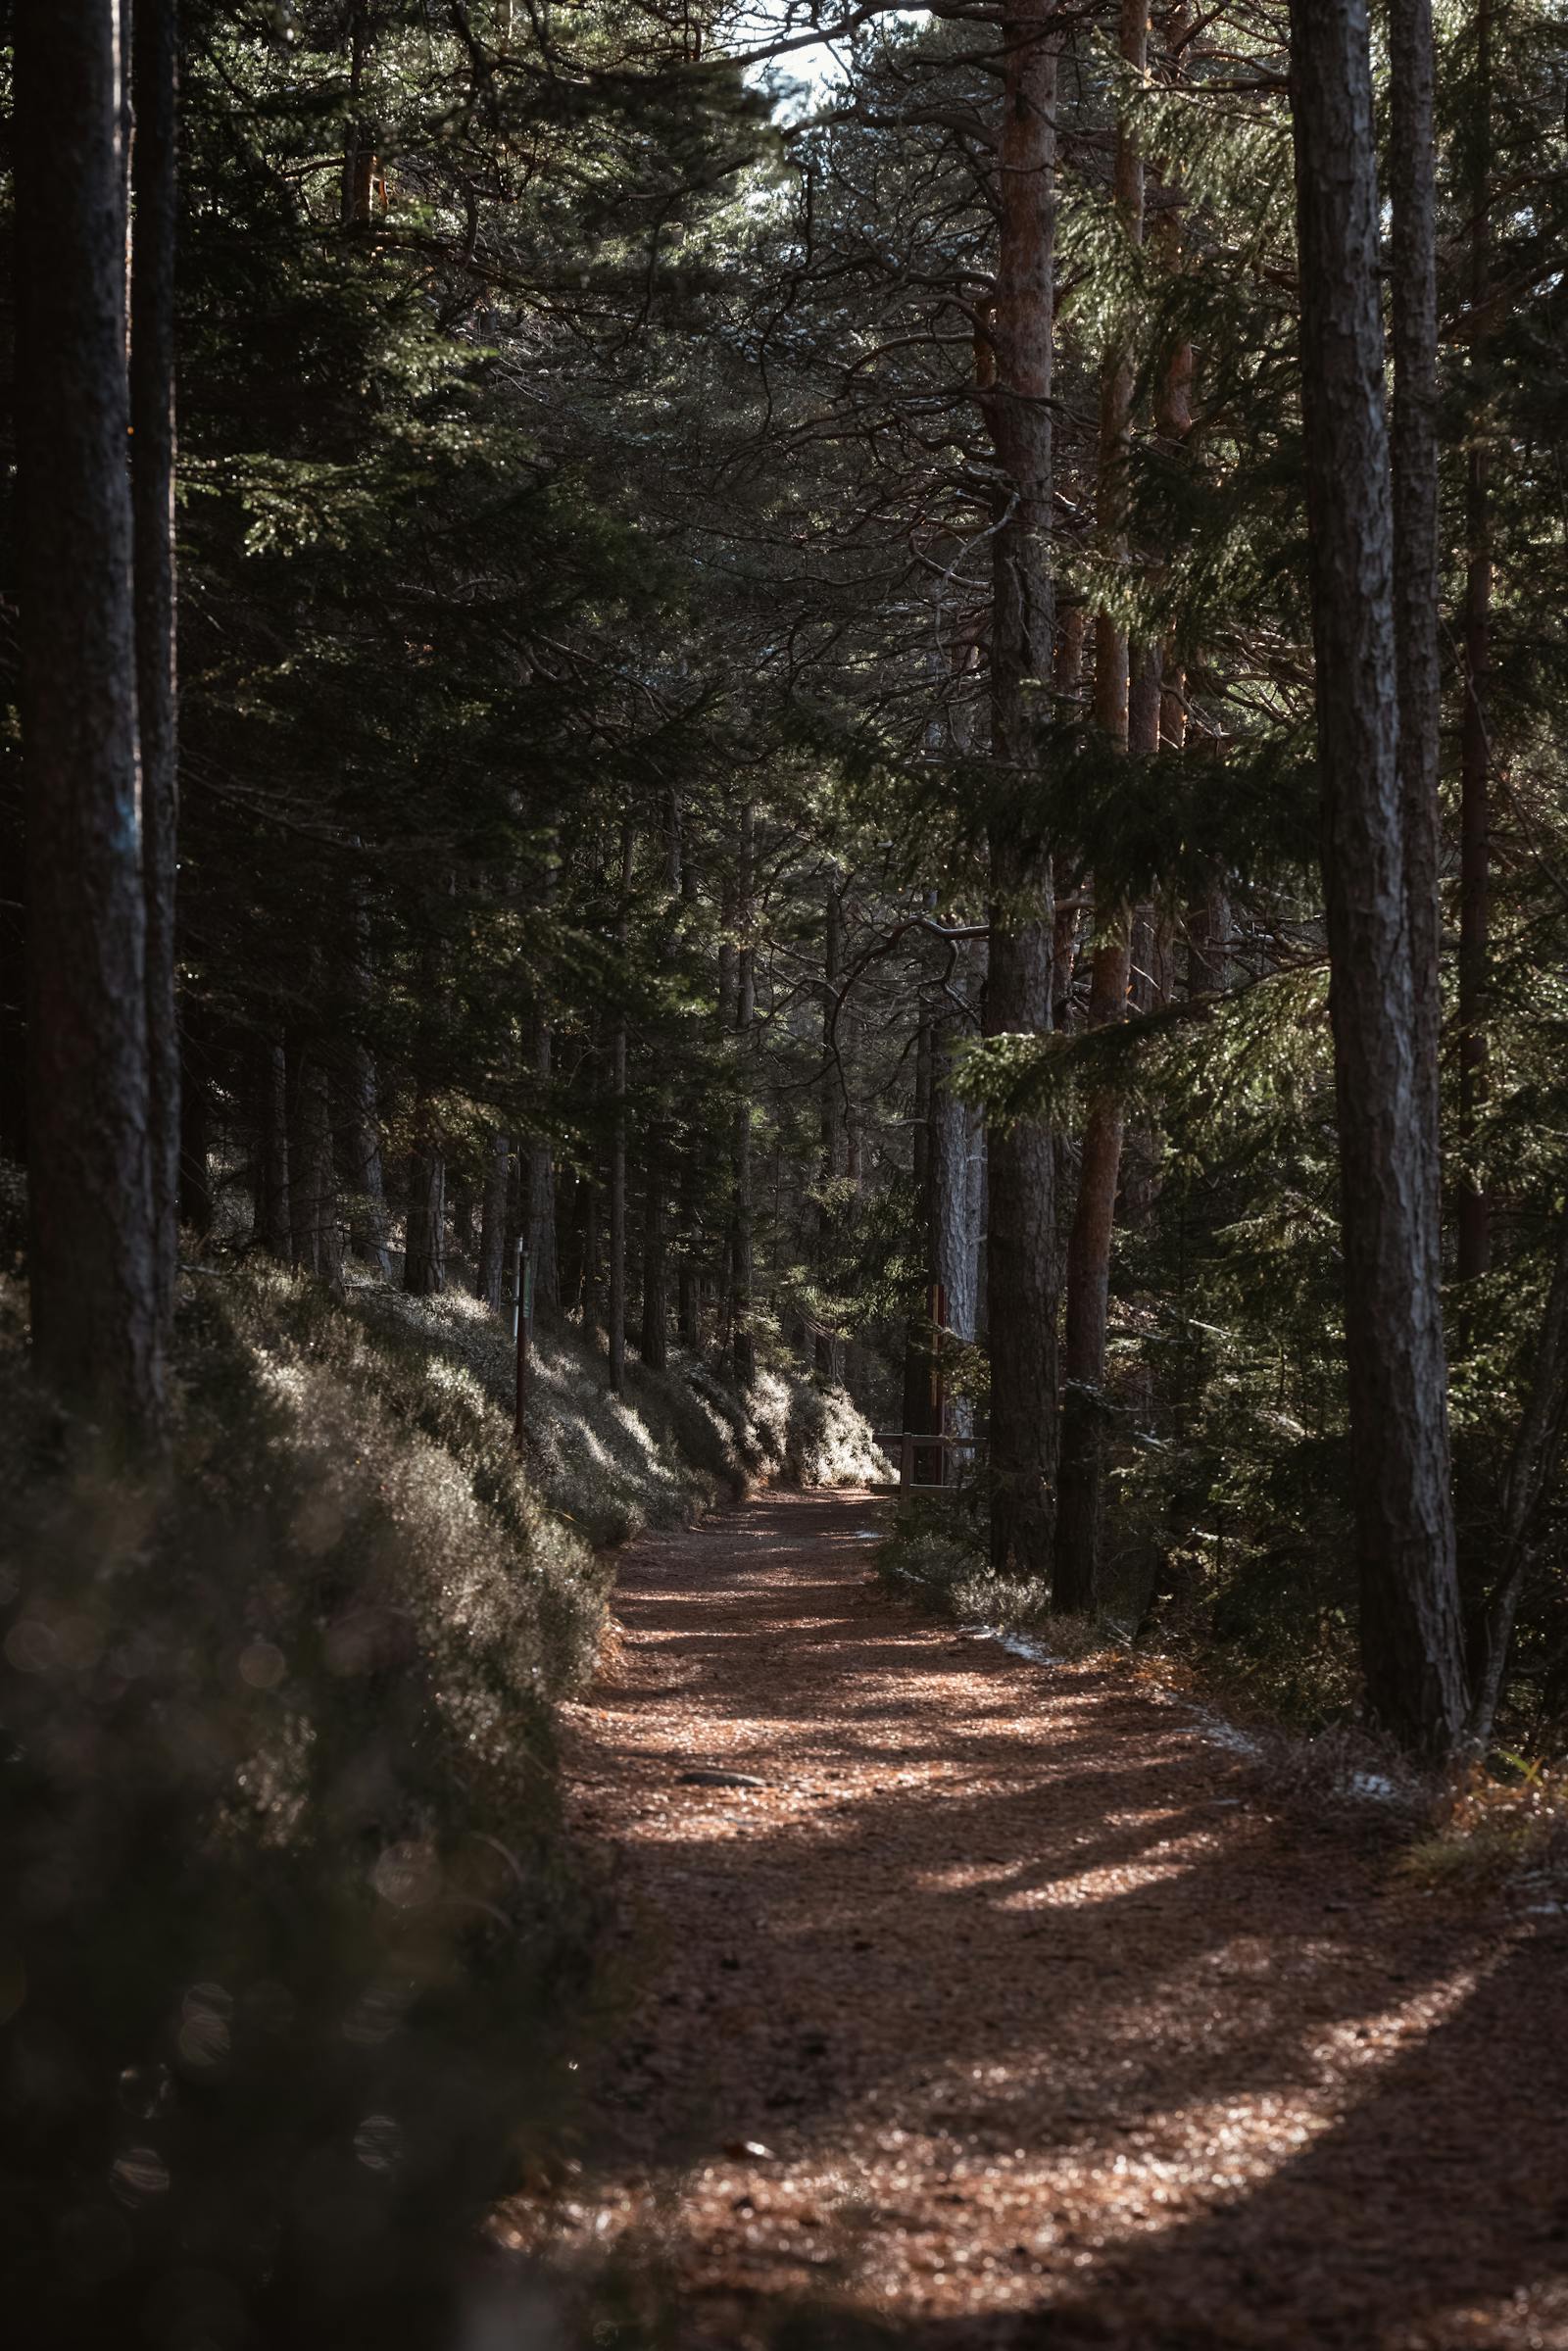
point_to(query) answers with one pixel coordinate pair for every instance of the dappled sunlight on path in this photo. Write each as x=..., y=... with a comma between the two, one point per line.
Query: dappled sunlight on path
x=1001, y=2012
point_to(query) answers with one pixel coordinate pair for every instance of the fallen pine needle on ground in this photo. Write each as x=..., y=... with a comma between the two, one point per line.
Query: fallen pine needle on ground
x=981, y=2002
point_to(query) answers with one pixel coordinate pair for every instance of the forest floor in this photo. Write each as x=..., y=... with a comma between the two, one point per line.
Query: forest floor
x=1009, y=2009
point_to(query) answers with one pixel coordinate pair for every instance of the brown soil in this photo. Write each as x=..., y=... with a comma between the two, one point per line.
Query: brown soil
x=1007, y=2011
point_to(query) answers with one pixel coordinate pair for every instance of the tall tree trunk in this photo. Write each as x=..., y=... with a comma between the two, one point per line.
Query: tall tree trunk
x=315, y=1246
x=1410, y=1636
x=1021, y=1249
x=358, y=146
x=1532, y=1467
x=94, y=1257
x=360, y=1128
x=689, y=1283
x=920, y=1412
x=362, y=1157
x=828, y=1349
x=958, y=1180
x=272, y=1225
x=653, y=1339
x=592, y=1281
x=1413, y=194
x=653, y=1344
x=156, y=187
x=196, y=1205
x=1080, y=1499
x=425, y=1246
x=491, y=1267
x=541, y=1182
x=1474, y=749
x=617, y=1144
x=743, y=1347
x=460, y=1209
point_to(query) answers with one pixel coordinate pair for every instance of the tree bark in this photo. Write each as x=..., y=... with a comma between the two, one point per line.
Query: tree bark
x=492, y=1259
x=196, y=1205
x=1475, y=750
x=920, y=1411
x=1016, y=397
x=743, y=1347
x=1413, y=194
x=93, y=1258
x=592, y=1283
x=424, y=1248
x=1532, y=1466
x=315, y=1246
x=156, y=187
x=958, y=1177
x=359, y=147
x=273, y=1222
x=1411, y=1637
x=1080, y=1492
x=361, y=1152
x=654, y=1343
x=541, y=1182
x=827, y=1348
x=616, y=1348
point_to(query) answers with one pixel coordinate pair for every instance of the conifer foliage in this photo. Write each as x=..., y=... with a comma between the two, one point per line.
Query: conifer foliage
x=907, y=723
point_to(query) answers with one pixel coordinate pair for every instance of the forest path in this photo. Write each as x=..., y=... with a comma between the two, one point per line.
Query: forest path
x=1034, y=2006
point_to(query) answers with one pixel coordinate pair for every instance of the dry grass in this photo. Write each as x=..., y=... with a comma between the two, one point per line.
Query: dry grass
x=1491, y=1834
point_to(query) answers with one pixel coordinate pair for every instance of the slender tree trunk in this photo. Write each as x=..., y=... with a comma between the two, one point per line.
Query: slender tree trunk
x=94, y=1257
x=1413, y=189
x=1015, y=392
x=425, y=1246
x=1475, y=748
x=196, y=1207
x=743, y=1348
x=920, y=1336
x=1411, y=1637
x=362, y=1153
x=618, y=1146
x=360, y=1135
x=653, y=1344
x=541, y=1182
x=465, y=1240
x=1080, y=1503
x=492, y=1260
x=593, y=1285
x=274, y=1222
x=958, y=1177
x=827, y=1350
x=156, y=177
x=689, y=1286
x=1532, y=1466
x=1067, y=664
x=358, y=149
x=316, y=1244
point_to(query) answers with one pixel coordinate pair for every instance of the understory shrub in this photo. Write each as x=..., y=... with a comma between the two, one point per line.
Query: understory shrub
x=291, y=1940
x=673, y=1445
x=1505, y=1828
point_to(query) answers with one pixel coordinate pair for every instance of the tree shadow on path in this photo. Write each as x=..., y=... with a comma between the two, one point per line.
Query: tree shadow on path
x=1057, y=2033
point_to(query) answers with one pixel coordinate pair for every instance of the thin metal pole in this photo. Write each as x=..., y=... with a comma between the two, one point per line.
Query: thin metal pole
x=522, y=1319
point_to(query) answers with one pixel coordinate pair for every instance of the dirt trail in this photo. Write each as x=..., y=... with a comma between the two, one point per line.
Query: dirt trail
x=1052, y=2035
